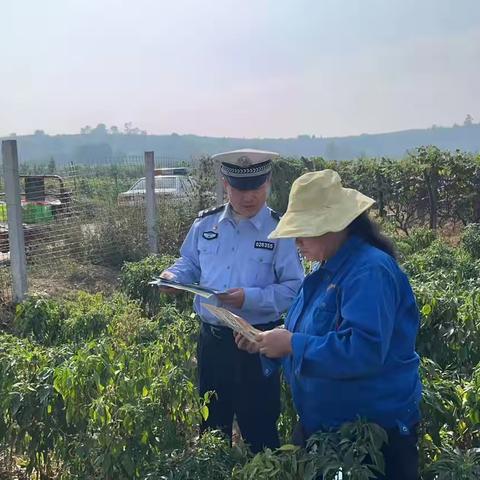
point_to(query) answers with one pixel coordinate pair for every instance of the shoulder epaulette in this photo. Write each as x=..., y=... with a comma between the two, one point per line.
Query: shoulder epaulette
x=210, y=211
x=275, y=215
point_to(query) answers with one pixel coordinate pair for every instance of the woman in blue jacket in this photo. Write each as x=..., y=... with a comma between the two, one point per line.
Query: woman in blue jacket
x=348, y=346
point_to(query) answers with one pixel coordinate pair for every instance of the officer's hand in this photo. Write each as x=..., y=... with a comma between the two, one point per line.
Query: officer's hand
x=245, y=344
x=169, y=276
x=233, y=298
x=275, y=343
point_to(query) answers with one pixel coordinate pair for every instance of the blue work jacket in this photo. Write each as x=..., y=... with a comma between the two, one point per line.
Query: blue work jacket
x=354, y=325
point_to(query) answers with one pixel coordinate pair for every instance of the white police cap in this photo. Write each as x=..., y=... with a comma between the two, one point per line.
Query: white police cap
x=246, y=169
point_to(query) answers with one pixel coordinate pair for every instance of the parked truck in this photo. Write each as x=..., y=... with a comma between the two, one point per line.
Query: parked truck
x=40, y=206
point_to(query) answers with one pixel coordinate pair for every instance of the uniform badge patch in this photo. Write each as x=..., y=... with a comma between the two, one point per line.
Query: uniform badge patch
x=209, y=235
x=265, y=245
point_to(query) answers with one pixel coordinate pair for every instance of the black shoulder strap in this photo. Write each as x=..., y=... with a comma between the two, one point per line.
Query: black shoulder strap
x=210, y=211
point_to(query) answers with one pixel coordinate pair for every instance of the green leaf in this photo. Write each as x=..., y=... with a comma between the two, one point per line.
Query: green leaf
x=426, y=310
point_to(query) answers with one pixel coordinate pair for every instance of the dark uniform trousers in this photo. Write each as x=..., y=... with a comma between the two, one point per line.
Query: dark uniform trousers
x=240, y=388
x=401, y=456
x=400, y=453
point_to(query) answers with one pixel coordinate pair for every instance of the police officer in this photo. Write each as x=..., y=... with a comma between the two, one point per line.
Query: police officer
x=227, y=249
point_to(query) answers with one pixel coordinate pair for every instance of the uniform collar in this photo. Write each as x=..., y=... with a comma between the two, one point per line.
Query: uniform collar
x=226, y=213
x=349, y=246
x=257, y=220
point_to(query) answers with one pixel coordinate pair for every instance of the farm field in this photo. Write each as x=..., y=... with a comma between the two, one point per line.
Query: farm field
x=98, y=378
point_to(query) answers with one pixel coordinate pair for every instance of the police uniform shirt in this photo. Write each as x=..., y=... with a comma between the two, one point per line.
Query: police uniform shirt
x=221, y=254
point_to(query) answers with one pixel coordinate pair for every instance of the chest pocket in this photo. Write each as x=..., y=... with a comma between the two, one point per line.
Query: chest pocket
x=207, y=251
x=326, y=314
x=260, y=264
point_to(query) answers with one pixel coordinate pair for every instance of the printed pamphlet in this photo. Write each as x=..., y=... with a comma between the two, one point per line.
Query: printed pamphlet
x=236, y=323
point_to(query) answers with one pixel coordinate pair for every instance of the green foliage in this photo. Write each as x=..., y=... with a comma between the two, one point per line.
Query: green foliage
x=288, y=415
x=114, y=234
x=284, y=172
x=205, y=179
x=174, y=219
x=431, y=262
x=355, y=450
x=419, y=239
x=209, y=457
x=427, y=187
x=135, y=277
x=103, y=183
x=286, y=463
x=471, y=239
x=455, y=464
x=127, y=405
x=451, y=411
x=106, y=402
x=445, y=280
x=27, y=398
x=39, y=317
x=449, y=330
x=81, y=318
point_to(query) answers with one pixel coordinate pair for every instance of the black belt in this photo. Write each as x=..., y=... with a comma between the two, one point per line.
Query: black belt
x=216, y=331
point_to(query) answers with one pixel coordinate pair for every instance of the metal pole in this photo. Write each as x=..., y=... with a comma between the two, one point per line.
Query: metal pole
x=18, y=261
x=150, y=201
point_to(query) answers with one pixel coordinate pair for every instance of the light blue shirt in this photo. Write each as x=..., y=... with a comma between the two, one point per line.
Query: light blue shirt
x=219, y=253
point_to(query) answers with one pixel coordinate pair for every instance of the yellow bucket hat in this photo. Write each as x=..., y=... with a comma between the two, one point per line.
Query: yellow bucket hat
x=318, y=204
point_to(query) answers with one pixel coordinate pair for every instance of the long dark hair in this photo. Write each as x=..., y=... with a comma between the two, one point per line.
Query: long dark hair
x=366, y=228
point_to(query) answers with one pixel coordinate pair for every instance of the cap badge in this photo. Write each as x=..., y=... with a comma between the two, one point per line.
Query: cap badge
x=244, y=161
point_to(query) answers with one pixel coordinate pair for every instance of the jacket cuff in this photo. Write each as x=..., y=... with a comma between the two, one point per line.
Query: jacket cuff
x=178, y=274
x=299, y=343
x=269, y=365
x=253, y=296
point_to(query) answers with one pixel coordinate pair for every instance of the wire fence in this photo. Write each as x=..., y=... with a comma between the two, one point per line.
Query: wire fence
x=93, y=215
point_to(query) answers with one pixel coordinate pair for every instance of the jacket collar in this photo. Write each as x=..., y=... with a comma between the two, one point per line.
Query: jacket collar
x=333, y=264
x=257, y=220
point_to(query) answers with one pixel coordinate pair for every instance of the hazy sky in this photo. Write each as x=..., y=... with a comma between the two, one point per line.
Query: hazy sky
x=244, y=68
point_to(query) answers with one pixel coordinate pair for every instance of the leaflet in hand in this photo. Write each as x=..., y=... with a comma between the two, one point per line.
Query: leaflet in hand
x=236, y=323
x=196, y=289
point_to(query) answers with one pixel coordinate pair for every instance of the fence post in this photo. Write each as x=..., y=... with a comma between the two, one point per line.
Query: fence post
x=18, y=261
x=150, y=201
x=219, y=191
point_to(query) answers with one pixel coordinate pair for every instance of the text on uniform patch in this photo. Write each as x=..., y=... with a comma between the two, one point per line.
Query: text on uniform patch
x=265, y=245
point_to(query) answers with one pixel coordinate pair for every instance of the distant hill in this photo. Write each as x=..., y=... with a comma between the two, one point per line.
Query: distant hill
x=100, y=146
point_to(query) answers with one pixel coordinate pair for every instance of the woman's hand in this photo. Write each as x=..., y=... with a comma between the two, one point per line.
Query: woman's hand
x=244, y=344
x=274, y=343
